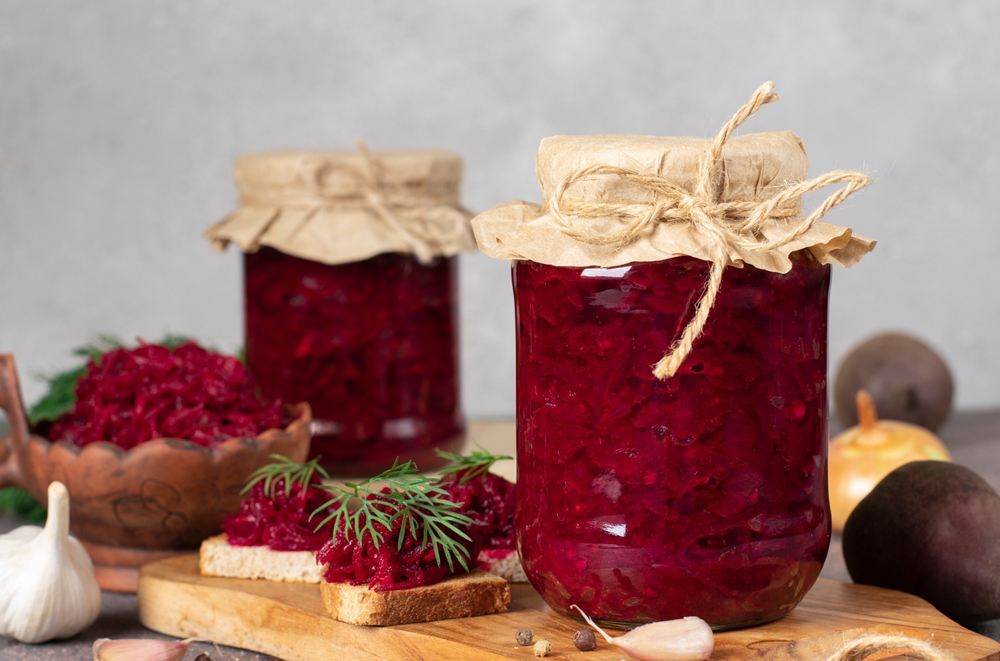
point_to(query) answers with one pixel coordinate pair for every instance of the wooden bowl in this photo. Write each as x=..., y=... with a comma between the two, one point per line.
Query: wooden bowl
x=133, y=506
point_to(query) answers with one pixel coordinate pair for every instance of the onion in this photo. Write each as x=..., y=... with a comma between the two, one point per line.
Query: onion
x=861, y=456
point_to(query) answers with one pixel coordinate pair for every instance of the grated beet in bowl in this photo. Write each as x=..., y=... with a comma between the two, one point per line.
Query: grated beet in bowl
x=130, y=396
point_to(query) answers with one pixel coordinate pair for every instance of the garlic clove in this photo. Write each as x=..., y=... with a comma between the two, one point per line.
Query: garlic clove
x=47, y=584
x=686, y=639
x=140, y=649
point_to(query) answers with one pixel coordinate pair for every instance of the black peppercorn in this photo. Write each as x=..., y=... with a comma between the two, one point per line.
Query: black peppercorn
x=524, y=636
x=584, y=640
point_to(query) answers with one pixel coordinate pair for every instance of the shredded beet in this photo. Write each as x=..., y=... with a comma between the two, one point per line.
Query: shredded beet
x=284, y=522
x=130, y=396
x=389, y=567
x=488, y=500
x=704, y=494
x=371, y=345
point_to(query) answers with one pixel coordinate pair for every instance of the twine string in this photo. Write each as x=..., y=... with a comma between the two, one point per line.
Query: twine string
x=726, y=227
x=865, y=646
x=423, y=227
x=373, y=194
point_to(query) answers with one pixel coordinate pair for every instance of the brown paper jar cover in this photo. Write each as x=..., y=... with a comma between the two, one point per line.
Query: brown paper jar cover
x=325, y=206
x=754, y=168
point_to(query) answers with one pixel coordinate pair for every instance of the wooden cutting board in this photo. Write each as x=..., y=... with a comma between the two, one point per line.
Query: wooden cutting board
x=287, y=620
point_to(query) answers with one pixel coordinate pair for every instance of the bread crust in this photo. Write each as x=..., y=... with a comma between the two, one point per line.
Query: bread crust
x=466, y=595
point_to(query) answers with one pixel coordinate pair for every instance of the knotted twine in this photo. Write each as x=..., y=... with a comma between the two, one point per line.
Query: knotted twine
x=868, y=645
x=727, y=225
x=424, y=226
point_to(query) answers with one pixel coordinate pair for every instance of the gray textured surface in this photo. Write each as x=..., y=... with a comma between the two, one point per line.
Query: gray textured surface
x=119, y=122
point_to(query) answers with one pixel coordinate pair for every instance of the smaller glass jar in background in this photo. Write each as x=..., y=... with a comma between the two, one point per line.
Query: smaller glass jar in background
x=350, y=297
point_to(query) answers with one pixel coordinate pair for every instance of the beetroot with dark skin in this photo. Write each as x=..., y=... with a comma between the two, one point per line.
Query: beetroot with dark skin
x=932, y=529
x=907, y=379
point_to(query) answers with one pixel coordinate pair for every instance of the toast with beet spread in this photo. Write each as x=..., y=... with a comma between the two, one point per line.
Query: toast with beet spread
x=399, y=547
x=462, y=595
x=407, y=552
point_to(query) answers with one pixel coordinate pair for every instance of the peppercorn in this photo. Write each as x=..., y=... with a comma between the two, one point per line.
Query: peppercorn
x=584, y=640
x=542, y=647
x=203, y=657
x=524, y=637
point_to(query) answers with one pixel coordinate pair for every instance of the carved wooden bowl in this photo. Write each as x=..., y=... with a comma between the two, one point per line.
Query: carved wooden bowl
x=134, y=506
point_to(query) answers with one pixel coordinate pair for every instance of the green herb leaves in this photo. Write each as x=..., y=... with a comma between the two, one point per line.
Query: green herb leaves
x=285, y=469
x=419, y=504
x=473, y=465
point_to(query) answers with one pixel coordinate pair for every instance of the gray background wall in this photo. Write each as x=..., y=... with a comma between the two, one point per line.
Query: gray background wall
x=119, y=122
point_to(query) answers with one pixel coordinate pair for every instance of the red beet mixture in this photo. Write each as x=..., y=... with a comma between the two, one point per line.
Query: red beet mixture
x=488, y=501
x=704, y=494
x=283, y=522
x=371, y=345
x=130, y=396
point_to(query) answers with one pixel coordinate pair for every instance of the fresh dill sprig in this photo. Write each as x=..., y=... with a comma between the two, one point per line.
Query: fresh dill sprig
x=420, y=503
x=474, y=465
x=285, y=469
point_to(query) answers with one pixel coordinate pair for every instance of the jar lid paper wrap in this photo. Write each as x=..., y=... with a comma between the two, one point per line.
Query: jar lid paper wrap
x=609, y=200
x=754, y=168
x=340, y=207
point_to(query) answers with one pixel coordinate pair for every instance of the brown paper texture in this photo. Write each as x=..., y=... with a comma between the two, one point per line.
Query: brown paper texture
x=330, y=206
x=755, y=168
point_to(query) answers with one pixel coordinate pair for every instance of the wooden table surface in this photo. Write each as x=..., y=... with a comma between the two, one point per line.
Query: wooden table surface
x=972, y=437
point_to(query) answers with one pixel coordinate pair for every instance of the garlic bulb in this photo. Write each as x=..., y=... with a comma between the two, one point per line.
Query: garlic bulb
x=47, y=584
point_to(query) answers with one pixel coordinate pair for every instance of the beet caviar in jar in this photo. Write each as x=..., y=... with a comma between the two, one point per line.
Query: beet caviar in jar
x=350, y=293
x=706, y=493
x=371, y=345
x=671, y=307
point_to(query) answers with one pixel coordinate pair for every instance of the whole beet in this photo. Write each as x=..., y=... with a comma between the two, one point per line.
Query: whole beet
x=907, y=379
x=932, y=529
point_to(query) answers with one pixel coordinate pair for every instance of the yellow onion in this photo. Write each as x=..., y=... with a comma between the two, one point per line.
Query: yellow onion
x=861, y=456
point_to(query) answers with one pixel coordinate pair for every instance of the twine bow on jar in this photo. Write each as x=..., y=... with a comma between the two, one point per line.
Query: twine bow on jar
x=339, y=207
x=426, y=223
x=728, y=227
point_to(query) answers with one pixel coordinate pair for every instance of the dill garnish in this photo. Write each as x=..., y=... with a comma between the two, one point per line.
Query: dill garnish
x=419, y=503
x=285, y=469
x=471, y=466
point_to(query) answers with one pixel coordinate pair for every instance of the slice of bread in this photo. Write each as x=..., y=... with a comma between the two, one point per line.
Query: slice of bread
x=504, y=563
x=219, y=558
x=465, y=595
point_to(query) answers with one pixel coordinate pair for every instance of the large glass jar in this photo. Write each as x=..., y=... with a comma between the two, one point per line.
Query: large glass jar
x=371, y=345
x=703, y=494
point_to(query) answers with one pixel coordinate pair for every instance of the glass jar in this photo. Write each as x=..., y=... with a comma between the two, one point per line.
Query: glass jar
x=703, y=494
x=371, y=345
